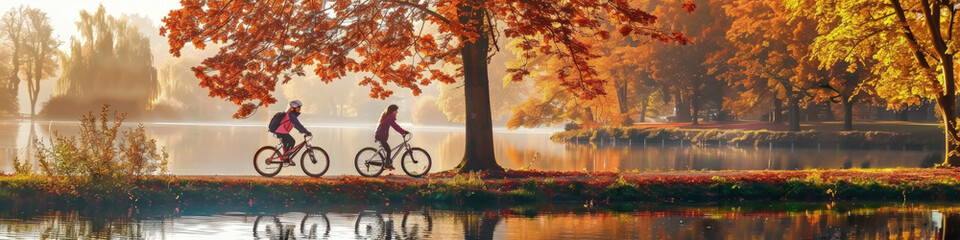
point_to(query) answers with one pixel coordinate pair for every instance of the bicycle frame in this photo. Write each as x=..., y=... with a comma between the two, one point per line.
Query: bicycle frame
x=293, y=152
x=396, y=150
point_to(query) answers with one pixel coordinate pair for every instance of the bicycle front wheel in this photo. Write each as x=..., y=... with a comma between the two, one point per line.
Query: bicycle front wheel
x=267, y=161
x=369, y=162
x=416, y=162
x=315, y=162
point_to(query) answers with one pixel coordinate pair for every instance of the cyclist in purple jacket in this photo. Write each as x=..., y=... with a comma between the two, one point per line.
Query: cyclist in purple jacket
x=387, y=120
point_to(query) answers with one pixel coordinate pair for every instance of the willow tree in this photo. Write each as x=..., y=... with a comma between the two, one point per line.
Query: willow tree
x=109, y=63
x=266, y=42
x=910, y=44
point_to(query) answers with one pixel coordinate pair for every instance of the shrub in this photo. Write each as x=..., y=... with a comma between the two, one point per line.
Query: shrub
x=98, y=153
x=21, y=168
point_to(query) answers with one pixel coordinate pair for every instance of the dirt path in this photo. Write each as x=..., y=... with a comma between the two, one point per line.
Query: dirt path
x=897, y=174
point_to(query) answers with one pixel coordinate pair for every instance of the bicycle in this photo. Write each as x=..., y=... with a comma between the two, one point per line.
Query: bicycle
x=273, y=161
x=372, y=159
x=373, y=225
x=312, y=226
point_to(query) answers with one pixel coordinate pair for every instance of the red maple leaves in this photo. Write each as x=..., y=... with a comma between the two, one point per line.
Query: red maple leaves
x=404, y=43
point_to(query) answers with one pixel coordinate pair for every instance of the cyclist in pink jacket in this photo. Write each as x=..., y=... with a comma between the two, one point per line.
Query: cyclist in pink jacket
x=388, y=119
x=289, y=122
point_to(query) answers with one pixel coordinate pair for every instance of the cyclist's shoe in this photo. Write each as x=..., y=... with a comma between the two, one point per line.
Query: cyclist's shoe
x=389, y=167
x=291, y=164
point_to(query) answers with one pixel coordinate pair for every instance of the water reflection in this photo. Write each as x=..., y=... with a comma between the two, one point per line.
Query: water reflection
x=311, y=226
x=207, y=149
x=884, y=222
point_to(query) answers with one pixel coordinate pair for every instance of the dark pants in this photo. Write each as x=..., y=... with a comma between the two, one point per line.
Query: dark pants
x=386, y=148
x=288, y=142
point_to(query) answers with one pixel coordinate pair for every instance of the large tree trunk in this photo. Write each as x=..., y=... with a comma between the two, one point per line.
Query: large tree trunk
x=946, y=103
x=643, y=109
x=14, y=82
x=847, y=114
x=777, y=116
x=622, y=98
x=480, y=226
x=622, y=101
x=35, y=84
x=794, y=108
x=695, y=105
x=478, y=153
x=683, y=110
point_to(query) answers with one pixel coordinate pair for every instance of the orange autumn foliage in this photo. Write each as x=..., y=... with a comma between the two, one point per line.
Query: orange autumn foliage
x=266, y=42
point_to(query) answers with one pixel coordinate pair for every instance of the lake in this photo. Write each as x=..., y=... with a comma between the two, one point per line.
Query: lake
x=758, y=221
x=227, y=149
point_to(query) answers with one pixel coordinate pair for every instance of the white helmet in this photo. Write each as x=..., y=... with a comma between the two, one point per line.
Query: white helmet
x=296, y=103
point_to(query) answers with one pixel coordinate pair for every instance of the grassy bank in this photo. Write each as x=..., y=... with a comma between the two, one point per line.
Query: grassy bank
x=753, y=138
x=513, y=188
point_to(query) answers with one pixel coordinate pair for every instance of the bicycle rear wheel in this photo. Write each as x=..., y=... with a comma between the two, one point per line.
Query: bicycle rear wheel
x=315, y=162
x=268, y=227
x=416, y=162
x=369, y=162
x=267, y=161
x=315, y=226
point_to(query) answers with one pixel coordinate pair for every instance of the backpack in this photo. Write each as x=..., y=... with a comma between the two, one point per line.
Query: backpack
x=276, y=121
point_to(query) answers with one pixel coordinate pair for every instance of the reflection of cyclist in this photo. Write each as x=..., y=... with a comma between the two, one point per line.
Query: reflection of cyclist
x=388, y=119
x=289, y=122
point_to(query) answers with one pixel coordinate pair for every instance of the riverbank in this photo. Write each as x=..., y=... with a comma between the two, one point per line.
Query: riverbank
x=639, y=135
x=512, y=188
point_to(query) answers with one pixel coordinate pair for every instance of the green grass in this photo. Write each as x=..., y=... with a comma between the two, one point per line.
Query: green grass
x=658, y=187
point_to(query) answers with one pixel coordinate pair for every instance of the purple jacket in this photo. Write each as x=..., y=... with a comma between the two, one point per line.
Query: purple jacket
x=383, y=132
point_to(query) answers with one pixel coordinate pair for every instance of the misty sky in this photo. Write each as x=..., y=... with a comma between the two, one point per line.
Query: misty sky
x=64, y=13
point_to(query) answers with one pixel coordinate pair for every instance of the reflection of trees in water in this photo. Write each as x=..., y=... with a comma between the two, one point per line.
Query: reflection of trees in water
x=871, y=224
x=450, y=151
x=900, y=222
x=951, y=225
x=478, y=225
x=71, y=225
x=9, y=133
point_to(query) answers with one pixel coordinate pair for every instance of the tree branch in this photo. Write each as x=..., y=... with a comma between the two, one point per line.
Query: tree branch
x=421, y=8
